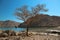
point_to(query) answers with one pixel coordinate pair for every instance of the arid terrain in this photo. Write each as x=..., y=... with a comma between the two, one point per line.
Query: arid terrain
x=32, y=36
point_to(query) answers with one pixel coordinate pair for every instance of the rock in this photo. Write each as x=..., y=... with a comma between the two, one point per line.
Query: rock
x=10, y=32
x=7, y=33
x=3, y=35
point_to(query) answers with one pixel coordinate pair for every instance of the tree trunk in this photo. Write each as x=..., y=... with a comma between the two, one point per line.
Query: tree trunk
x=27, y=31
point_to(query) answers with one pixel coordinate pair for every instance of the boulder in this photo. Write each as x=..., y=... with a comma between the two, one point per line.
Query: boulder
x=3, y=35
x=10, y=32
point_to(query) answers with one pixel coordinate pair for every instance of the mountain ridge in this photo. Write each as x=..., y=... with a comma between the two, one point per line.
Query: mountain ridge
x=42, y=20
x=8, y=23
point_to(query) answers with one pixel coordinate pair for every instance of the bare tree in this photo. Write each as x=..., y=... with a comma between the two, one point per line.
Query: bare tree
x=24, y=13
x=39, y=8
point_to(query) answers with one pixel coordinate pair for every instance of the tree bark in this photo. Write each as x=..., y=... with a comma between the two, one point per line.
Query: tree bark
x=27, y=31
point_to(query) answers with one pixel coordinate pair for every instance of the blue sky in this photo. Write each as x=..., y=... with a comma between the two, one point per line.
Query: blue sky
x=7, y=7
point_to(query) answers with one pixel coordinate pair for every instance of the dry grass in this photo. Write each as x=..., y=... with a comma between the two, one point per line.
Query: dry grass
x=32, y=36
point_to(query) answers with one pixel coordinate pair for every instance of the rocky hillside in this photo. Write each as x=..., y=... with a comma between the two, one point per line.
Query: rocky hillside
x=42, y=20
x=8, y=23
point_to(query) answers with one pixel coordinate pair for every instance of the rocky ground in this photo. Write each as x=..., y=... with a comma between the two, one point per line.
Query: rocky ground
x=33, y=37
x=11, y=35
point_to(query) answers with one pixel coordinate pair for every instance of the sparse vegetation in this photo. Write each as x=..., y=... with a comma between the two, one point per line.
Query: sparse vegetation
x=24, y=13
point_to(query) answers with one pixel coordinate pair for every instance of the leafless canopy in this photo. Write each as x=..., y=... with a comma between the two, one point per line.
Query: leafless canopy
x=24, y=13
